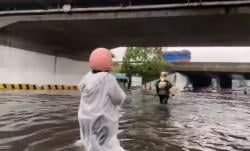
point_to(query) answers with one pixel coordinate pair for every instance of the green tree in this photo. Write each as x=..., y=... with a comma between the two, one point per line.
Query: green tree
x=144, y=61
x=116, y=68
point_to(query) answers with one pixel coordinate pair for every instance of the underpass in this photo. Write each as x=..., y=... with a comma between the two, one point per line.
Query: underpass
x=217, y=75
x=73, y=34
x=57, y=44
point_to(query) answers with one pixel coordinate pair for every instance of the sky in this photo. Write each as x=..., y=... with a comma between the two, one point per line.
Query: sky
x=203, y=54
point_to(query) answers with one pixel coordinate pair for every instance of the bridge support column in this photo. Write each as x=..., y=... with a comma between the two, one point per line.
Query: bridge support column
x=216, y=84
x=225, y=81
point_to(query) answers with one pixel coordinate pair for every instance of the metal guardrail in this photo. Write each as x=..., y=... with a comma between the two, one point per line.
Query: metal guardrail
x=78, y=9
x=17, y=5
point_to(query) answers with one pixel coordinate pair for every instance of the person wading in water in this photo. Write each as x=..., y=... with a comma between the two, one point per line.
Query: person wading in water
x=98, y=113
x=162, y=88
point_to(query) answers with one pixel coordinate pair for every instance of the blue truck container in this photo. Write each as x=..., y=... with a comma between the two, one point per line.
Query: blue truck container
x=177, y=56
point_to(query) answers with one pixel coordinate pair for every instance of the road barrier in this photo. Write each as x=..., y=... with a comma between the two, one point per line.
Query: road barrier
x=5, y=86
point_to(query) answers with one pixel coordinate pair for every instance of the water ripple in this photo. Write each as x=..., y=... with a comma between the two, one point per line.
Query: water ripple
x=34, y=121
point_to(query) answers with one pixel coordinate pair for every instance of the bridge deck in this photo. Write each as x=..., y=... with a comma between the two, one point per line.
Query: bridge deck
x=210, y=67
x=74, y=34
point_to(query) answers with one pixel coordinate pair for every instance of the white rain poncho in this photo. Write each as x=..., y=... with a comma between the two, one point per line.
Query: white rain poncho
x=98, y=114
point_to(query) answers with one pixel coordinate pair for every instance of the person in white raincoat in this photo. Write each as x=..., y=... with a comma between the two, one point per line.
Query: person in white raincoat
x=98, y=114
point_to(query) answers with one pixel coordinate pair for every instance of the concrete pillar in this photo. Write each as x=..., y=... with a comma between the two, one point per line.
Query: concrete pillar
x=225, y=81
x=216, y=83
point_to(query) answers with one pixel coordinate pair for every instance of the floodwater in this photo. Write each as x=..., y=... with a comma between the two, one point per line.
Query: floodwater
x=35, y=121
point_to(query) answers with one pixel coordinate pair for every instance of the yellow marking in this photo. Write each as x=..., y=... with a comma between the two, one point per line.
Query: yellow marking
x=66, y=87
x=72, y=87
x=24, y=87
x=59, y=87
x=31, y=86
x=9, y=87
x=16, y=86
x=53, y=87
x=1, y=86
x=46, y=87
x=38, y=87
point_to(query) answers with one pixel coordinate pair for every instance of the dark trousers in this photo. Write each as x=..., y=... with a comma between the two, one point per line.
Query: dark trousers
x=164, y=99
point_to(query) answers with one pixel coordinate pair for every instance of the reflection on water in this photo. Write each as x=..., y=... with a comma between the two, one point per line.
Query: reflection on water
x=32, y=121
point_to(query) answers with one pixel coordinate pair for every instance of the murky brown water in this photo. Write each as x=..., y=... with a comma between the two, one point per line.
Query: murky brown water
x=48, y=122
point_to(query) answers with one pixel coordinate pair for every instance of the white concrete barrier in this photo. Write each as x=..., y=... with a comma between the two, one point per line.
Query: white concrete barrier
x=26, y=67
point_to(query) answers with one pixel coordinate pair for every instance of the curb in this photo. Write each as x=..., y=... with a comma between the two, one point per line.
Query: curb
x=4, y=86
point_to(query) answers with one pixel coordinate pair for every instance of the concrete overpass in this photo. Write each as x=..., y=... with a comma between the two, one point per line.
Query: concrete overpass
x=202, y=74
x=222, y=67
x=49, y=30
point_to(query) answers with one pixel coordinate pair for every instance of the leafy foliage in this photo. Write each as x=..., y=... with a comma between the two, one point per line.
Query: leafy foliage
x=144, y=61
x=116, y=68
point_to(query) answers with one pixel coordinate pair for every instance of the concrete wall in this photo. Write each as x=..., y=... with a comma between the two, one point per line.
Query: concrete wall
x=178, y=80
x=21, y=66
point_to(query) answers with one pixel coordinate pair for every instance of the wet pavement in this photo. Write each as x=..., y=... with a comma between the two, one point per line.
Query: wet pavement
x=36, y=121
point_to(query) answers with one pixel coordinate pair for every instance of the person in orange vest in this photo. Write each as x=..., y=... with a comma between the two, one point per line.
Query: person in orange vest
x=162, y=88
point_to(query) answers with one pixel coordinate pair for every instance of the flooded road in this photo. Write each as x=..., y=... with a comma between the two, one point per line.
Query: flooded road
x=33, y=121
